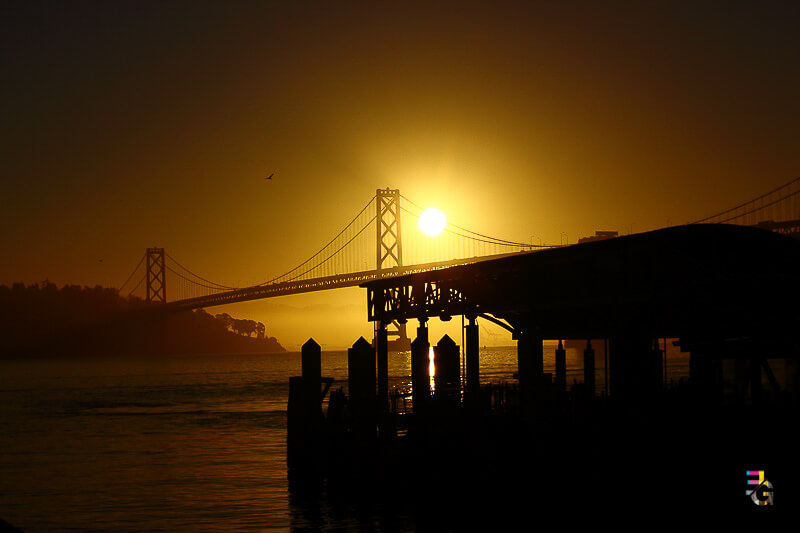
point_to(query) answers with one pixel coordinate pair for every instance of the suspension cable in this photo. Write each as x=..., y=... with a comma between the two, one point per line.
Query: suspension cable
x=486, y=239
x=749, y=202
x=324, y=247
x=132, y=273
x=782, y=198
x=137, y=285
x=468, y=236
x=492, y=240
x=195, y=282
x=199, y=277
x=337, y=251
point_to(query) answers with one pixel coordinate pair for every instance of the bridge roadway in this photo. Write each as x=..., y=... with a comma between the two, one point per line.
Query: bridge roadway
x=353, y=279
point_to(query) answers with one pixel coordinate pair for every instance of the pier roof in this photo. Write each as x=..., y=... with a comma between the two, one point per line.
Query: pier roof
x=695, y=280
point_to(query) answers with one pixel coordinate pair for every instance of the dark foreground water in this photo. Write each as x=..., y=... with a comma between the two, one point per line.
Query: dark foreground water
x=185, y=443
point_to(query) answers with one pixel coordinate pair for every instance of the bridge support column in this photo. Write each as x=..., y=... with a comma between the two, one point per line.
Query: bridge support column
x=472, y=396
x=420, y=368
x=382, y=356
x=561, y=367
x=588, y=369
x=530, y=364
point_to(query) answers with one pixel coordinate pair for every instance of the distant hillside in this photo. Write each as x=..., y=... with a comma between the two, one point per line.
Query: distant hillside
x=43, y=320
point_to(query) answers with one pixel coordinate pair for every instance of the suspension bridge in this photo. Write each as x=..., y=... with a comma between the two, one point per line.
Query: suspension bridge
x=375, y=236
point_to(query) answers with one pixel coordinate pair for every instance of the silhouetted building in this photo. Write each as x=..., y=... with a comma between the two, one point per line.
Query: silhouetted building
x=599, y=236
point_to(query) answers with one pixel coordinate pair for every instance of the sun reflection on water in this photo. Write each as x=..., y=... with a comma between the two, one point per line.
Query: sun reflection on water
x=431, y=368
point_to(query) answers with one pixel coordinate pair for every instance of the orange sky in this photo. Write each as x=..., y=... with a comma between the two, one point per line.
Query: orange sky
x=135, y=125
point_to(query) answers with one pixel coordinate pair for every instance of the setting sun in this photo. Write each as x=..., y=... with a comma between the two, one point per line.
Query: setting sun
x=432, y=222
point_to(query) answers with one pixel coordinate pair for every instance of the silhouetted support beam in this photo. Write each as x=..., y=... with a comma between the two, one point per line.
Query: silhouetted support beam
x=420, y=369
x=473, y=361
x=588, y=368
x=361, y=380
x=530, y=364
x=561, y=367
x=382, y=355
x=448, y=372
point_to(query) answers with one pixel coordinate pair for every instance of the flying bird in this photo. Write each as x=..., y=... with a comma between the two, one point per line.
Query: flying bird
x=270, y=176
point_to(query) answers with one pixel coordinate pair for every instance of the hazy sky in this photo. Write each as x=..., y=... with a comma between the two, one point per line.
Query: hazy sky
x=128, y=125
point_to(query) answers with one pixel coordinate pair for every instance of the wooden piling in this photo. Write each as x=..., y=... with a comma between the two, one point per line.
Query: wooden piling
x=448, y=371
x=420, y=370
x=473, y=383
x=304, y=411
x=382, y=355
x=311, y=363
x=361, y=378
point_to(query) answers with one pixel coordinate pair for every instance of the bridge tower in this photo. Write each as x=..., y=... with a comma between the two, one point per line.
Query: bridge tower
x=156, y=276
x=390, y=243
x=389, y=254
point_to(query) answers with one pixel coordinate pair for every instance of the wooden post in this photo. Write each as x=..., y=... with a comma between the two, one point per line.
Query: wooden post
x=311, y=362
x=382, y=355
x=448, y=371
x=304, y=411
x=420, y=369
x=473, y=381
x=361, y=379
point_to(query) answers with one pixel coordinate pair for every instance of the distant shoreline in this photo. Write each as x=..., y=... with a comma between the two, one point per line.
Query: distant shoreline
x=44, y=321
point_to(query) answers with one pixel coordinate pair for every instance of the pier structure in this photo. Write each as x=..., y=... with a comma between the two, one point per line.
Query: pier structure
x=632, y=292
x=735, y=314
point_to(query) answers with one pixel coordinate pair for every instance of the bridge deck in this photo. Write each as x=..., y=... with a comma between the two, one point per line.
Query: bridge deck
x=259, y=292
